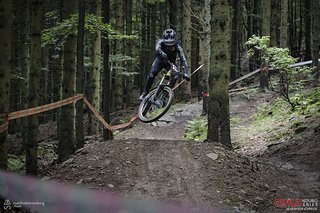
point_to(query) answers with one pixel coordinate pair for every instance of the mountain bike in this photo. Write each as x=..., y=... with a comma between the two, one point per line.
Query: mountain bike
x=159, y=99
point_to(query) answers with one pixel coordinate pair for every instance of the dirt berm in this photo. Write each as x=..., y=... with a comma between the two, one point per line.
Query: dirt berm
x=202, y=174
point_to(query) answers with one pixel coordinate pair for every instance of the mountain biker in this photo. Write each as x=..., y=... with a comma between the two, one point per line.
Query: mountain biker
x=167, y=49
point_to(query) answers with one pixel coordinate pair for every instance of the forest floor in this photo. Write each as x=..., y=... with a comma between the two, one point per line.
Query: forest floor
x=152, y=161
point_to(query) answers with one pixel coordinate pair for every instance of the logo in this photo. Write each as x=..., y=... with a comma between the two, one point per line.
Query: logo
x=296, y=204
x=7, y=205
x=287, y=202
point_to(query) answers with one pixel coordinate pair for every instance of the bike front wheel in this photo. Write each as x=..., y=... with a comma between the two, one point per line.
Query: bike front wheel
x=154, y=106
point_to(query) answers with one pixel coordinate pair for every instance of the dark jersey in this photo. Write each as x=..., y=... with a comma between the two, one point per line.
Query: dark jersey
x=162, y=50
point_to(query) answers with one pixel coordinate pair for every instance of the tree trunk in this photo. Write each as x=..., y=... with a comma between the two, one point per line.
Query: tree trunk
x=80, y=74
x=300, y=27
x=43, y=91
x=25, y=66
x=284, y=24
x=316, y=38
x=5, y=55
x=219, y=115
x=291, y=30
x=197, y=52
x=173, y=14
x=185, y=89
x=163, y=10
x=266, y=11
x=107, y=134
x=149, y=45
x=143, y=46
x=257, y=20
x=249, y=18
x=266, y=8
x=207, y=55
x=128, y=50
x=274, y=22
x=66, y=144
x=34, y=86
x=118, y=88
x=15, y=55
x=58, y=73
x=308, y=29
x=234, y=40
x=94, y=76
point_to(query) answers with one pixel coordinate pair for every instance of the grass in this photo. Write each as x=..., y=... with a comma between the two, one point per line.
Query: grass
x=273, y=122
x=276, y=122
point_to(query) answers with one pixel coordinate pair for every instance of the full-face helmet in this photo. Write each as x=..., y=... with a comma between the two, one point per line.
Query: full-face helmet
x=169, y=37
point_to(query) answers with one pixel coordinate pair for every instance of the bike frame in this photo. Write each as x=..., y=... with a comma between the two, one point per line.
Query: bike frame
x=156, y=99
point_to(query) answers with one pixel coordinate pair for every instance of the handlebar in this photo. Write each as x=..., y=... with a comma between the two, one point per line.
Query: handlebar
x=174, y=67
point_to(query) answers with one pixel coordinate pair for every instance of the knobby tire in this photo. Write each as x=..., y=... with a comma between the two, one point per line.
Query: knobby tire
x=147, y=103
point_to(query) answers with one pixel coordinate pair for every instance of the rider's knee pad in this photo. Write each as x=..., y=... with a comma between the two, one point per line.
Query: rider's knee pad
x=175, y=76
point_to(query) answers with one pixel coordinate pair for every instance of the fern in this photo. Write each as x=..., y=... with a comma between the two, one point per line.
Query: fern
x=196, y=129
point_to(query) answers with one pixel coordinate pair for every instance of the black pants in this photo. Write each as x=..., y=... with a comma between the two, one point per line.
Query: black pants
x=156, y=67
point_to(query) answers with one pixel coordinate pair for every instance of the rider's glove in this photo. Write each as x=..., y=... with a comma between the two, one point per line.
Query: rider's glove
x=186, y=77
x=164, y=57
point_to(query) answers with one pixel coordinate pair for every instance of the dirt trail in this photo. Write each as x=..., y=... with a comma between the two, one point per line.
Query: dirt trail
x=150, y=161
x=169, y=127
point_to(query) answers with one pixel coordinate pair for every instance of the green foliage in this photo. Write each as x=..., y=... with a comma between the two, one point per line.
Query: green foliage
x=280, y=59
x=257, y=43
x=57, y=34
x=280, y=122
x=278, y=108
x=153, y=2
x=15, y=162
x=46, y=152
x=307, y=103
x=16, y=76
x=120, y=70
x=196, y=129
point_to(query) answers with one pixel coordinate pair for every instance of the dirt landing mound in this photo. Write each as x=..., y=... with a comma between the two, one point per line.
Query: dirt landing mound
x=197, y=173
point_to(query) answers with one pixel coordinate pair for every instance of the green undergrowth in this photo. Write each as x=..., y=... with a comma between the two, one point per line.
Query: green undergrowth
x=274, y=121
x=46, y=152
x=16, y=163
x=196, y=129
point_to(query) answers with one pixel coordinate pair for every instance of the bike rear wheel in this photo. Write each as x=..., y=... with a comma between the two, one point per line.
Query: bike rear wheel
x=154, y=106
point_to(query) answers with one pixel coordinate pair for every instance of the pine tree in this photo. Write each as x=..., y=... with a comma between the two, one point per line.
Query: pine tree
x=94, y=76
x=219, y=116
x=66, y=144
x=34, y=86
x=80, y=75
x=284, y=24
x=5, y=55
x=118, y=87
x=186, y=43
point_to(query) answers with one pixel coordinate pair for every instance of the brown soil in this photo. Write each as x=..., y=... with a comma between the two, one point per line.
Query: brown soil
x=152, y=161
